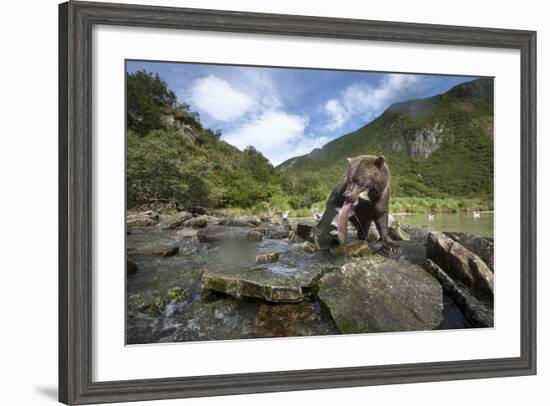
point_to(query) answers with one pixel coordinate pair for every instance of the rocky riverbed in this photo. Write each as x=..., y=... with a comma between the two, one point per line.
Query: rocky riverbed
x=201, y=275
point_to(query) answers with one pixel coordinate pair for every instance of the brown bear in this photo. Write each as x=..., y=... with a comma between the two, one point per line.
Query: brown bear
x=366, y=175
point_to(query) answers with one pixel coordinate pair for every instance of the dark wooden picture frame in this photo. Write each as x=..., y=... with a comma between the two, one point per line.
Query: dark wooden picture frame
x=76, y=20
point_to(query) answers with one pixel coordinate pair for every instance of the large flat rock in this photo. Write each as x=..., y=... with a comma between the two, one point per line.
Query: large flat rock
x=277, y=282
x=381, y=295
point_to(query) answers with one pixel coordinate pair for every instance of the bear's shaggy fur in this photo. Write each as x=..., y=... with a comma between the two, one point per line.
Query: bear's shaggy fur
x=366, y=174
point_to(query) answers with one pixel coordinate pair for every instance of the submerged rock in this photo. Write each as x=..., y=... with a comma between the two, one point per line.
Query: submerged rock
x=156, y=305
x=477, y=313
x=218, y=233
x=277, y=283
x=176, y=221
x=482, y=247
x=154, y=248
x=381, y=295
x=267, y=258
x=142, y=219
x=291, y=320
x=184, y=234
x=461, y=264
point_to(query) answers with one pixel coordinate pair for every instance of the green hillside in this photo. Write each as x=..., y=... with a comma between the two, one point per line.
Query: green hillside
x=439, y=150
x=172, y=161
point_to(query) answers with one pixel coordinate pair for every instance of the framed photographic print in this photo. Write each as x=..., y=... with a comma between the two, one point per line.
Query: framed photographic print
x=259, y=202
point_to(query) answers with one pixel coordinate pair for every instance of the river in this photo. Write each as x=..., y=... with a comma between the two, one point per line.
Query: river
x=460, y=222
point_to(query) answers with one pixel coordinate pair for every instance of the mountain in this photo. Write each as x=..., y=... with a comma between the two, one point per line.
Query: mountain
x=437, y=147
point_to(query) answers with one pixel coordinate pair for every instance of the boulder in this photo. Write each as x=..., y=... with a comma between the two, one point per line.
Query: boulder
x=196, y=222
x=482, y=247
x=142, y=219
x=277, y=283
x=477, y=313
x=218, y=233
x=380, y=295
x=197, y=210
x=176, y=221
x=397, y=233
x=461, y=264
x=416, y=233
x=267, y=258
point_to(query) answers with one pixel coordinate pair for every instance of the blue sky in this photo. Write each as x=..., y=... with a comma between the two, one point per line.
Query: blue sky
x=286, y=112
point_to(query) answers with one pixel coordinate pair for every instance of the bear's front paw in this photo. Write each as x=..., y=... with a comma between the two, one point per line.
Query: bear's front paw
x=390, y=249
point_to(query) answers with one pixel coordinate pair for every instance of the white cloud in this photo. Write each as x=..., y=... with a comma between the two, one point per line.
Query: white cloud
x=367, y=101
x=338, y=114
x=246, y=103
x=276, y=134
x=219, y=99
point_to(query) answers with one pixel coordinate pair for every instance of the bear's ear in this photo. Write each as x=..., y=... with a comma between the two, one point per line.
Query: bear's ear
x=349, y=159
x=379, y=161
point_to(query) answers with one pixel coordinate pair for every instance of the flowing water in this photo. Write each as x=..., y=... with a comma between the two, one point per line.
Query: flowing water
x=460, y=222
x=165, y=301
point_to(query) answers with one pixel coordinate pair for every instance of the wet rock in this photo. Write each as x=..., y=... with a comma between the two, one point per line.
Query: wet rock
x=397, y=233
x=291, y=320
x=184, y=234
x=220, y=319
x=142, y=219
x=482, y=247
x=176, y=221
x=416, y=233
x=154, y=248
x=267, y=258
x=241, y=221
x=196, y=222
x=373, y=234
x=131, y=267
x=218, y=233
x=380, y=294
x=308, y=247
x=476, y=312
x=274, y=283
x=156, y=305
x=274, y=233
x=357, y=248
x=460, y=264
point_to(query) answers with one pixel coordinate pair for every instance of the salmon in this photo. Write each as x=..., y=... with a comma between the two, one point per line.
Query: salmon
x=345, y=213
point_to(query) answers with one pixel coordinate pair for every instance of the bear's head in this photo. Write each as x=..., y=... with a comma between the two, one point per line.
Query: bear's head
x=365, y=173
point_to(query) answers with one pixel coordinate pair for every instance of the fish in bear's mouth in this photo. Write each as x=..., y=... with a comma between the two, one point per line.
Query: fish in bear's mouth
x=346, y=211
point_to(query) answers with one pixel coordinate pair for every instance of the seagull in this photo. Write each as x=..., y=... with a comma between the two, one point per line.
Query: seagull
x=477, y=214
x=315, y=212
x=431, y=217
